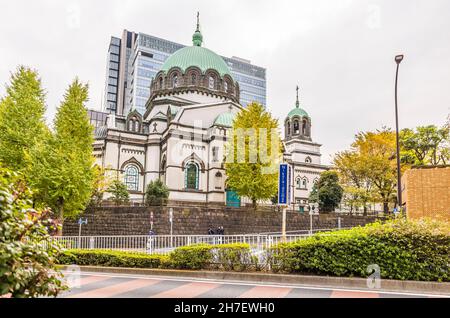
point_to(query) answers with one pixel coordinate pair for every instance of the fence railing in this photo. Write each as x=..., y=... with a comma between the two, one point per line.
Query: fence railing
x=164, y=244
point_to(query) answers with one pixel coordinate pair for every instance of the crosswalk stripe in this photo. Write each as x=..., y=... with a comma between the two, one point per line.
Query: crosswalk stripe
x=187, y=291
x=115, y=289
x=266, y=292
x=350, y=294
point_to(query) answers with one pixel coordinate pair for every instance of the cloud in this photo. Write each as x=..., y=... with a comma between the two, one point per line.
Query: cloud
x=340, y=53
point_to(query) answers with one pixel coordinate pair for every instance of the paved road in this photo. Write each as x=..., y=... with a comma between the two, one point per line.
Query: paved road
x=105, y=285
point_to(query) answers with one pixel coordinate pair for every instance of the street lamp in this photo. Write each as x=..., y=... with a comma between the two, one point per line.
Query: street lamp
x=398, y=59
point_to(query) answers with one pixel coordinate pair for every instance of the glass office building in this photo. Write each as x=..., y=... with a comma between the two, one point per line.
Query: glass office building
x=141, y=57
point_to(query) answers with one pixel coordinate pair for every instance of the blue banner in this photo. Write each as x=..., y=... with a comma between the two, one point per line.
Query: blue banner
x=283, y=184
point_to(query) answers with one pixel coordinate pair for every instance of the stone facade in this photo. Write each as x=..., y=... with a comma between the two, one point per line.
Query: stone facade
x=197, y=220
x=426, y=192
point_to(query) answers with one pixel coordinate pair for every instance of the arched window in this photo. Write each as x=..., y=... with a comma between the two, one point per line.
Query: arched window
x=296, y=127
x=288, y=132
x=304, y=183
x=160, y=82
x=225, y=86
x=130, y=125
x=211, y=82
x=218, y=181
x=131, y=178
x=175, y=81
x=298, y=183
x=193, y=78
x=191, y=176
x=304, y=127
x=315, y=181
x=308, y=159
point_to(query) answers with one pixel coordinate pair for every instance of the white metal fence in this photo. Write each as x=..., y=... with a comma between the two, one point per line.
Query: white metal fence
x=164, y=244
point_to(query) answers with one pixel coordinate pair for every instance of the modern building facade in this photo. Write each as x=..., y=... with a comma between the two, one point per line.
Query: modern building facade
x=180, y=137
x=135, y=59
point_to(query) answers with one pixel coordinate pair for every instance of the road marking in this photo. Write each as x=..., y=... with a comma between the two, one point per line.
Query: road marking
x=190, y=290
x=266, y=292
x=115, y=289
x=191, y=279
x=352, y=294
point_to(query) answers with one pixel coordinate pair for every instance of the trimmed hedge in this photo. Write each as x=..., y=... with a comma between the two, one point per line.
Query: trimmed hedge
x=202, y=256
x=403, y=250
x=112, y=258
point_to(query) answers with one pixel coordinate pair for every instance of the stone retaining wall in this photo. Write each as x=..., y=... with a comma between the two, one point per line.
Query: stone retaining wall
x=197, y=220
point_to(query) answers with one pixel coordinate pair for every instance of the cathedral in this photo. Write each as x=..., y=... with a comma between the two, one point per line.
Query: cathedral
x=180, y=138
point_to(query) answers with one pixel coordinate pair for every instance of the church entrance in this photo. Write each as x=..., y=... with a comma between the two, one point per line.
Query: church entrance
x=233, y=199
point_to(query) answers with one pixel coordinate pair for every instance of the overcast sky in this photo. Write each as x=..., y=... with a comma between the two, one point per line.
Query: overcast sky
x=340, y=53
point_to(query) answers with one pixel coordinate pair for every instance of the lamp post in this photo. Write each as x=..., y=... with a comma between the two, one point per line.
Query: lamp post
x=398, y=59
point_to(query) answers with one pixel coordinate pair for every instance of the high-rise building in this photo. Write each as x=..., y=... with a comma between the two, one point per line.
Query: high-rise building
x=134, y=60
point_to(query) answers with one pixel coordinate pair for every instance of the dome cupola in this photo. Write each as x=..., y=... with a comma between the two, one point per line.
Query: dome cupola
x=195, y=68
x=297, y=123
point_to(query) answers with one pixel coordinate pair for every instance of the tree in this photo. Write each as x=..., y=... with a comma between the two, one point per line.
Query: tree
x=119, y=192
x=425, y=145
x=354, y=176
x=64, y=172
x=252, y=154
x=327, y=192
x=22, y=125
x=28, y=254
x=102, y=181
x=369, y=168
x=156, y=193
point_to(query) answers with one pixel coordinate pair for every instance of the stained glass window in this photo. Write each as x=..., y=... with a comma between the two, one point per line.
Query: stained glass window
x=131, y=178
x=191, y=176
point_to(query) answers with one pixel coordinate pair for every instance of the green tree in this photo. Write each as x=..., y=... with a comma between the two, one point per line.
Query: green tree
x=354, y=177
x=64, y=170
x=369, y=168
x=22, y=125
x=156, y=193
x=425, y=145
x=327, y=192
x=252, y=154
x=119, y=192
x=28, y=254
x=102, y=181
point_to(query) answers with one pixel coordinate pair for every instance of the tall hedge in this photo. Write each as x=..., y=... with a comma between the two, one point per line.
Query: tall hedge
x=403, y=250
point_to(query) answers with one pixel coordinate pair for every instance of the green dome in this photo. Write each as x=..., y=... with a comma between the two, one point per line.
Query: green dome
x=198, y=56
x=225, y=119
x=297, y=111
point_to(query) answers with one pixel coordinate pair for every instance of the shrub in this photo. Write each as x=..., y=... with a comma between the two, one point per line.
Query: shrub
x=119, y=192
x=156, y=193
x=112, y=258
x=234, y=257
x=402, y=249
x=191, y=257
x=27, y=254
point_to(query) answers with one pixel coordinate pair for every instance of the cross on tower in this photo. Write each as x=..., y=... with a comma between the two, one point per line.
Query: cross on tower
x=297, y=102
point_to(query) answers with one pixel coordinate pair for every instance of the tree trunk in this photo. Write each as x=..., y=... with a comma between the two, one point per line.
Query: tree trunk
x=254, y=204
x=386, y=207
x=60, y=217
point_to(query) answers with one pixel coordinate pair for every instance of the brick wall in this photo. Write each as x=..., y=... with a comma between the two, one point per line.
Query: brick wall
x=426, y=192
x=197, y=220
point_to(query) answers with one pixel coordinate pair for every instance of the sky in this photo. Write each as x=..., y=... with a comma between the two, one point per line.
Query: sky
x=340, y=53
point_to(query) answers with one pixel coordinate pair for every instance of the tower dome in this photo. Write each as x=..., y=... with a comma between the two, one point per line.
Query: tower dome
x=297, y=111
x=297, y=123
